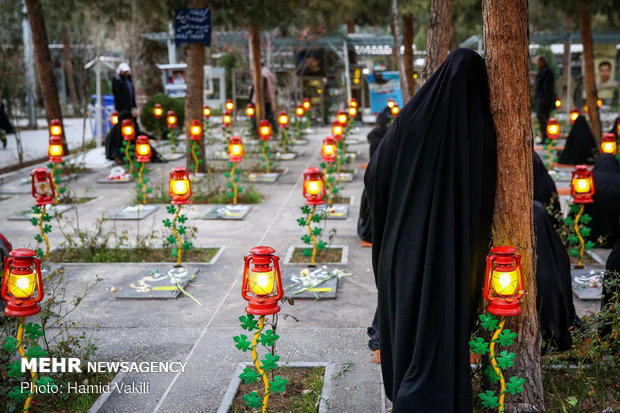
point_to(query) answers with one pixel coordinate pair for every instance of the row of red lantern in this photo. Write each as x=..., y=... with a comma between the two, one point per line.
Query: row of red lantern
x=608, y=145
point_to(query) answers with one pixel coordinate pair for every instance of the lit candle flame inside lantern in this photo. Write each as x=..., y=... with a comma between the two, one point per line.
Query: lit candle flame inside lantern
x=342, y=118
x=206, y=111
x=609, y=144
x=553, y=128
x=395, y=109
x=250, y=111
x=353, y=111
x=230, y=106
x=262, y=283
x=264, y=130
x=180, y=188
x=55, y=151
x=22, y=286
x=235, y=149
x=55, y=127
x=283, y=119
x=574, y=114
x=337, y=129
x=171, y=119
x=503, y=285
x=558, y=103
x=328, y=149
x=391, y=103
x=143, y=149
x=158, y=111
x=353, y=103
x=306, y=104
x=195, y=130
x=314, y=186
x=299, y=111
x=114, y=118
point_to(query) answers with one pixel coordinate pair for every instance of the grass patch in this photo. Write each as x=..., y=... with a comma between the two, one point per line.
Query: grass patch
x=328, y=255
x=129, y=255
x=302, y=395
x=71, y=402
x=247, y=196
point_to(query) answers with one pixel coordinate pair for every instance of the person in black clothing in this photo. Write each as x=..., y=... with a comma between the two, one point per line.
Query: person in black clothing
x=124, y=92
x=5, y=125
x=544, y=97
x=605, y=210
x=580, y=147
x=431, y=186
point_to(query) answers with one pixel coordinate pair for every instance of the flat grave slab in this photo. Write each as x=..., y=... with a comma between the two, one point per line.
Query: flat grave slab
x=560, y=175
x=122, y=180
x=343, y=176
x=160, y=281
x=336, y=211
x=288, y=156
x=263, y=177
x=299, y=142
x=353, y=140
x=228, y=212
x=587, y=283
x=48, y=270
x=132, y=212
x=27, y=214
x=172, y=156
x=16, y=187
x=309, y=283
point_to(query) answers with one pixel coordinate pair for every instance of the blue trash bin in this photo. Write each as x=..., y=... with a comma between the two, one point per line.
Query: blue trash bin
x=107, y=108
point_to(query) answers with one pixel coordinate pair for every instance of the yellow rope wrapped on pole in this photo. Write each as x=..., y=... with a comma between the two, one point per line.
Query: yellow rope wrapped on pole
x=261, y=325
x=20, y=348
x=549, y=148
x=128, y=156
x=54, y=183
x=581, y=240
x=265, y=156
x=47, y=243
x=142, y=183
x=176, y=234
x=232, y=181
x=195, y=157
x=312, y=235
x=498, y=372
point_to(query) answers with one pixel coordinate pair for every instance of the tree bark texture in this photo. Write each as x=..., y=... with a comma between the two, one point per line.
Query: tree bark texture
x=257, y=77
x=507, y=57
x=590, y=82
x=566, y=72
x=194, y=77
x=66, y=47
x=440, y=33
x=43, y=62
x=350, y=26
x=402, y=74
x=408, y=55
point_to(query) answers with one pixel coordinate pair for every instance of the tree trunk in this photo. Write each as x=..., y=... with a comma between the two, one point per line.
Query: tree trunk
x=194, y=77
x=408, y=55
x=350, y=26
x=566, y=71
x=590, y=83
x=257, y=77
x=507, y=58
x=66, y=46
x=43, y=62
x=440, y=30
x=402, y=74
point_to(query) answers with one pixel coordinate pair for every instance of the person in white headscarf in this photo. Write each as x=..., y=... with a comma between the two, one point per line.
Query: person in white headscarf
x=123, y=90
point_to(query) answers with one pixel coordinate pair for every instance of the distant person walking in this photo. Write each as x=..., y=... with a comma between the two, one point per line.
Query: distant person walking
x=124, y=92
x=544, y=97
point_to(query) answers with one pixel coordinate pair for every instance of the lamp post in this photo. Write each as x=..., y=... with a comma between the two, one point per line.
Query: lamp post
x=195, y=135
x=553, y=132
x=129, y=133
x=143, y=155
x=55, y=152
x=314, y=192
x=574, y=114
x=262, y=289
x=283, y=123
x=158, y=112
x=22, y=291
x=264, y=131
x=609, y=144
x=172, y=121
x=503, y=287
x=235, y=155
x=329, y=153
x=180, y=190
x=44, y=194
x=582, y=190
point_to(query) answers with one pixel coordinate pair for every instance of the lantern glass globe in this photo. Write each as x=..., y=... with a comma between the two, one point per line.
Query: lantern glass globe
x=504, y=283
x=22, y=285
x=261, y=283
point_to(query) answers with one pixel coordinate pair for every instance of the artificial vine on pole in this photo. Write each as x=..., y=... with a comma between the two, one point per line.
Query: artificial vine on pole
x=311, y=217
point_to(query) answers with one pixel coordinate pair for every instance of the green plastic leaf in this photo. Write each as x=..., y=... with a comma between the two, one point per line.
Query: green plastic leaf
x=278, y=385
x=248, y=322
x=506, y=338
x=302, y=222
x=268, y=339
x=573, y=239
x=17, y=396
x=514, y=385
x=44, y=381
x=34, y=221
x=167, y=223
x=585, y=219
x=10, y=344
x=33, y=330
x=317, y=218
x=187, y=245
x=249, y=375
x=35, y=352
x=305, y=209
x=317, y=231
x=47, y=228
x=590, y=245
x=569, y=221
x=306, y=239
x=321, y=245
x=62, y=190
x=242, y=342
x=174, y=252
x=573, y=252
x=505, y=360
x=307, y=252
x=252, y=400
x=585, y=231
x=574, y=208
x=171, y=239
x=489, y=399
x=479, y=346
x=182, y=219
x=36, y=209
x=488, y=322
x=270, y=361
x=490, y=373
x=182, y=229
x=15, y=369
x=171, y=209
x=38, y=238
x=47, y=217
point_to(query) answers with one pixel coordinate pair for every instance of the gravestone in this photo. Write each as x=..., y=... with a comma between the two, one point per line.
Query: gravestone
x=161, y=282
x=132, y=212
x=27, y=215
x=228, y=212
x=309, y=283
x=587, y=283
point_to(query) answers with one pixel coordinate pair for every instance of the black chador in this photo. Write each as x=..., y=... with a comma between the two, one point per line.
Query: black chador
x=605, y=211
x=580, y=146
x=431, y=186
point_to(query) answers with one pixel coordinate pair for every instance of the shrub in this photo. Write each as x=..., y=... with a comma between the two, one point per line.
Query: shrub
x=147, y=120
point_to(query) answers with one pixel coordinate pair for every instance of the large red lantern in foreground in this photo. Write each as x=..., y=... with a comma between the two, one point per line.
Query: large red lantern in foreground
x=180, y=188
x=609, y=144
x=195, y=130
x=262, y=283
x=264, y=130
x=553, y=128
x=42, y=187
x=127, y=130
x=235, y=149
x=328, y=149
x=582, y=186
x=22, y=287
x=503, y=285
x=314, y=186
x=143, y=149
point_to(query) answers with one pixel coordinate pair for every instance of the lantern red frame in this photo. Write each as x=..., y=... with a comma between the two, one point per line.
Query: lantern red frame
x=306, y=104
x=41, y=175
x=206, y=111
x=337, y=130
x=55, y=127
x=352, y=111
x=128, y=123
x=353, y=103
x=283, y=119
x=158, y=111
x=114, y=118
x=264, y=130
x=235, y=140
x=553, y=128
x=195, y=135
x=261, y=258
x=226, y=119
x=171, y=119
x=342, y=118
x=329, y=156
x=140, y=142
x=582, y=172
x=230, y=105
x=299, y=111
x=55, y=143
x=22, y=260
x=573, y=115
x=498, y=304
x=313, y=174
x=179, y=174
x=250, y=110
x=609, y=144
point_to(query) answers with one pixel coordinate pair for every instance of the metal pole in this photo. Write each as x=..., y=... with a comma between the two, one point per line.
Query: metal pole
x=172, y=47
x=31, y=80
x=347, y=74
x=98, y=120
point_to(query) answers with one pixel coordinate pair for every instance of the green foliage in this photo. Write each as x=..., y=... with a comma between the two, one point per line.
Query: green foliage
x=252, y=400
x=148, y=121
x=248, y=322
x=489, y=399
x=185, y=232
x=249, y=375
x=277, y=385
x=242, y=341
x=270, y=361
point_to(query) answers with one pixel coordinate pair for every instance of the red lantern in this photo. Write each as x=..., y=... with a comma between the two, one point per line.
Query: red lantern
x=180, y=188
x=352, y=111
x=391, y=103
x=264, y=130
x=143, y=149
x=235, y=149
x=503, y=285
x=558, y=103
x=230, y=106
x=306, y=104
x=55, y=152
x=22, y=288
x=262, y=283
x=328, y=149
x=314, y=186
x=353, y=103
x=574, y=114
x=195, y=130
x=55, y=128
x=127, y=130
x=618, y=127
x=337, y=130
x=42, y=187
x=250, y=110
x=114, y=118
x=283, y=119
x=299, y=111
x=609, y=144
x=342, y=117
x=171, y=119
x=582, y=186
x=158, y=111
x=226, y=119
x=395, y=109
x=553, y=128
x=206, y=111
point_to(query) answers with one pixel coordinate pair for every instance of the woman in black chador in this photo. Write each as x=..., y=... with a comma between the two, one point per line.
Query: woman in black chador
x=431, y=186
x=580, y=146
x=605, y=211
